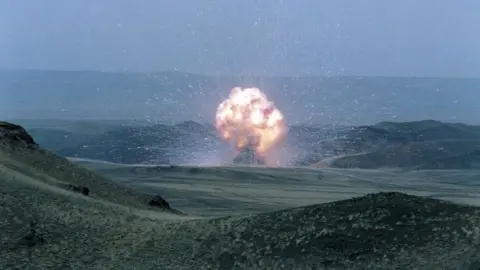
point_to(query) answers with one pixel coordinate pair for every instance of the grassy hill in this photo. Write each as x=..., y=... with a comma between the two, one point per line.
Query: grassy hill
x=426, y=144
x=48, y=224
x=421, y=144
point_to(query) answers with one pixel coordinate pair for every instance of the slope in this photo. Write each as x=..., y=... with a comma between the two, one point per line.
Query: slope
x=44, y=225
x=421, y=144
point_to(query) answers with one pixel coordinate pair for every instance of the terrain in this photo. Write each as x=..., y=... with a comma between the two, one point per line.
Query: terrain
x=169, y=117
x=229, y=217
x=424, y=144
x=415, y=145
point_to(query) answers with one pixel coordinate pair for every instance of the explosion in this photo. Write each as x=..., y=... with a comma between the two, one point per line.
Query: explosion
x=248, y=119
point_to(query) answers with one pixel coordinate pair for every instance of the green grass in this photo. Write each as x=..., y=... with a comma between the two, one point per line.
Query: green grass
x=44, y=225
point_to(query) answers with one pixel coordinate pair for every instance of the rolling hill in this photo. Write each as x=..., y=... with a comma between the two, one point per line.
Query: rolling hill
x=49, y=221
x=424, y=144
x=412, y=145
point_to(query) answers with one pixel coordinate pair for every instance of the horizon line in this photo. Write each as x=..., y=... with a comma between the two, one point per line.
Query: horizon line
x=188, y=73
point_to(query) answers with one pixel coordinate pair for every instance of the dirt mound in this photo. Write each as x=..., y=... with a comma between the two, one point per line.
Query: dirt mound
x=368, y=231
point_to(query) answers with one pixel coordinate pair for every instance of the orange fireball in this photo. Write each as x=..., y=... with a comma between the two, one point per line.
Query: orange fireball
x=247, y=117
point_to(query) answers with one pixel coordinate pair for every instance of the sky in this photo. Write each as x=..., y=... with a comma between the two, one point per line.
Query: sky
x=263, y=37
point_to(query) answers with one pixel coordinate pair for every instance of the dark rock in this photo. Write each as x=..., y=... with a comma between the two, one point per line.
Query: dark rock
x=158, y=201
x=16, y=134
x=80, y=189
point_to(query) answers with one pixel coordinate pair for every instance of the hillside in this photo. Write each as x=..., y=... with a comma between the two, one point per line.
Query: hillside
x=20, y=153
x=161, y=143
x=424, y=144
x=413, y=145
x=154, y=144
x=47, y=224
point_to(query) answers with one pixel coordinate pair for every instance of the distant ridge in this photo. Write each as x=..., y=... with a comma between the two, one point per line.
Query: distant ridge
x=426, y=144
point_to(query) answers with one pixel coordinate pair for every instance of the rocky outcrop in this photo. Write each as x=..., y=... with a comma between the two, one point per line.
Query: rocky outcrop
x=159, y=202
x=16, y=135
x=80, y=189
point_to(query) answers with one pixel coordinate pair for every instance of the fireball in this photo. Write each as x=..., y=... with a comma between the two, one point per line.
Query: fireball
x=248, y=118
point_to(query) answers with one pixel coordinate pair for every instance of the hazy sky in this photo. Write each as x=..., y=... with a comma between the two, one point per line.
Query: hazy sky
x=406, y=38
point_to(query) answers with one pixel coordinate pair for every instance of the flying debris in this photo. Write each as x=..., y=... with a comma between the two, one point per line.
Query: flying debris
x=247, y=156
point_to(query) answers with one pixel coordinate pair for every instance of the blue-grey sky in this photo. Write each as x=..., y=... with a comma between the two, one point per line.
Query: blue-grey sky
x=374, y=37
